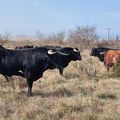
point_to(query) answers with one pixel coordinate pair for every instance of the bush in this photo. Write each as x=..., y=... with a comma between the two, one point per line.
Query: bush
x=89, y=68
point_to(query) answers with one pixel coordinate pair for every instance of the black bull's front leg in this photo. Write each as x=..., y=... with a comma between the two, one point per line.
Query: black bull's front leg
x=61, y=71
x=30, y=84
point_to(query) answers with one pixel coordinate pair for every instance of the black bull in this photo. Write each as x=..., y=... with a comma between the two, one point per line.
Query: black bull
x=54, y=48
x=31, y=63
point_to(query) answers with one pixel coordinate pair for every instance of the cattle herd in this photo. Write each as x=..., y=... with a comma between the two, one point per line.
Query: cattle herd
x=30, y=62
x=107, y=55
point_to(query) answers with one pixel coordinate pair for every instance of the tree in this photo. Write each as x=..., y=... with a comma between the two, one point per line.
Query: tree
x=83, y=37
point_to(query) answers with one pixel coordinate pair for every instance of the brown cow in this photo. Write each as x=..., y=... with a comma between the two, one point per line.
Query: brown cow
x=111, y=57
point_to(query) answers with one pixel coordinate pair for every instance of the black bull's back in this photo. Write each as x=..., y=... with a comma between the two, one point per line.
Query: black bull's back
x=12, y=61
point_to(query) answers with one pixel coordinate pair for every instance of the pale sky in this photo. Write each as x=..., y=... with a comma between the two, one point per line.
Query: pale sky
x=47, y=16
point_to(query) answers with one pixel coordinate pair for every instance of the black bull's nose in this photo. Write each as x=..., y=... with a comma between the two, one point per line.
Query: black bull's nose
x=80, y=58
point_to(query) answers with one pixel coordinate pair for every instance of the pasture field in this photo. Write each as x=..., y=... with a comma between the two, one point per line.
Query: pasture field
x=86, y=92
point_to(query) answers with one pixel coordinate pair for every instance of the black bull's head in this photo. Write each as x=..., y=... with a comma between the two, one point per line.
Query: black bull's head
x=73, y=52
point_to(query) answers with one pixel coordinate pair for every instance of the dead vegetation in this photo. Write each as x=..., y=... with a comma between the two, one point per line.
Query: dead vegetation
x=76, y=96
x=86, y=92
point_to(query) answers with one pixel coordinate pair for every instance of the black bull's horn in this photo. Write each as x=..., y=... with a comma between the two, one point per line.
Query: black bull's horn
x=50, y=52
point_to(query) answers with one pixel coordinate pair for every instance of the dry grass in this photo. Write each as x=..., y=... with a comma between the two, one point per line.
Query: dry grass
x=84, y=93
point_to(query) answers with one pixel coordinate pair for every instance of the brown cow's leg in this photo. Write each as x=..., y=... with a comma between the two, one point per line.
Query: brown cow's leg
x=108, y=68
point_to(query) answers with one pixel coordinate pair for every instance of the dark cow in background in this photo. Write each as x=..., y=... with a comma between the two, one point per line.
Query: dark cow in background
x=24, y=47
x=52, y=47
x=99, y=52
x=33, y=46
x=33, y=62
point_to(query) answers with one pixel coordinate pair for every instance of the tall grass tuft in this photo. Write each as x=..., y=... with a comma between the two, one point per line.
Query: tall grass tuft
x=116, y=71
